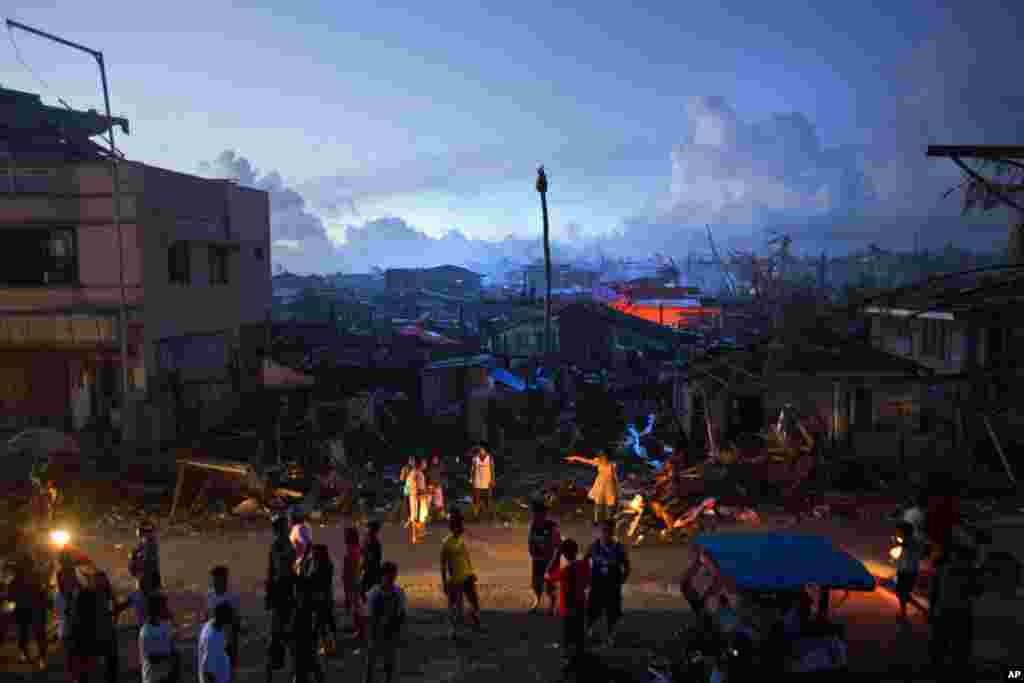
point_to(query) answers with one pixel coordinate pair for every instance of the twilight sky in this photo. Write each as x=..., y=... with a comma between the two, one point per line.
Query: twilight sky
x=380, y=127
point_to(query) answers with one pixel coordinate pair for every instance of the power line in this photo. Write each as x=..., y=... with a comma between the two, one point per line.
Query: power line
x=39, y=79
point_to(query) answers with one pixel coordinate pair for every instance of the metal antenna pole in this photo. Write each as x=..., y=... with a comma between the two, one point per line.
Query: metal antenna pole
x=115, y=178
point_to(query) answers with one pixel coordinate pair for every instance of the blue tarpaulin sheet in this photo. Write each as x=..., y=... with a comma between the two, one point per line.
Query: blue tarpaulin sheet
x=513, y=381
x=783, y=562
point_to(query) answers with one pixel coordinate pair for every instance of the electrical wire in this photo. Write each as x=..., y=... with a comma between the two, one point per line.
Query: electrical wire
x=21, y=59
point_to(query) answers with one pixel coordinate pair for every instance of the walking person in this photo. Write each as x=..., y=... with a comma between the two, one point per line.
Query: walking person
x=605, y=491
x=213, y=662
x=457, y=576
x=28, y=590
x=145, y=569
x=373, y=557
x=573, y=580
x=387, y=607
x=217, y=595
x=323, y=598
x=544, y=540
x=952, y=616
x=352, y=581
x=908, y=567
x=280, y=592
x=304, y=631
x=158, y=651
x=609, y=570
x=483, y=479
x=387, y=610
x=108, y=610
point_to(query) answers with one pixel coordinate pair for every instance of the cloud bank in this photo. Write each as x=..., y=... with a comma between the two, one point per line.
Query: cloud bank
x=740, y=176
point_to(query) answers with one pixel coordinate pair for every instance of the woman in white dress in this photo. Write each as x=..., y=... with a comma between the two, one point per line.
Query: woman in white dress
x=605, y=491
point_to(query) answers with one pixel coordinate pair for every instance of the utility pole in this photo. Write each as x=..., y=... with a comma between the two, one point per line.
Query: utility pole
x=115, y=177
x=542, y=188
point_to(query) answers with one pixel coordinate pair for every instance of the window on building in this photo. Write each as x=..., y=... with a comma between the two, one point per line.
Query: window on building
x=219, y=257
x=179, y=269
x=37, y=257
x=258, y=253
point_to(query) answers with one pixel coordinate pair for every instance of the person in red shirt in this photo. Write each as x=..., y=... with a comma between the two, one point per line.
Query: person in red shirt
x=351, y=574
x=573, y=580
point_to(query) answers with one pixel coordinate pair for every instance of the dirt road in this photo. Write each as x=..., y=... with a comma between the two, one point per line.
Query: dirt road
x=517, y=646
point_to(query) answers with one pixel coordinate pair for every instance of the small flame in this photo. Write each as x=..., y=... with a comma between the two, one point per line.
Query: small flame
x=896, y=552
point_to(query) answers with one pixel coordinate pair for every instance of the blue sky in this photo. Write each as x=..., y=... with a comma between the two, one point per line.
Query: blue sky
x=437, y=113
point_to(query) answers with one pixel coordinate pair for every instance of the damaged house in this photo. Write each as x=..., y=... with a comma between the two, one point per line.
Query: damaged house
x=854, y=397
x=967, y=327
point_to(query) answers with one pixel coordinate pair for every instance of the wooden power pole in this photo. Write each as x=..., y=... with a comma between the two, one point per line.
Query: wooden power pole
x=542, y=188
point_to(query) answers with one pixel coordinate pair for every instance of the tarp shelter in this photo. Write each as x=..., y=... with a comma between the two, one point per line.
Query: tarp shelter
x=784, y=562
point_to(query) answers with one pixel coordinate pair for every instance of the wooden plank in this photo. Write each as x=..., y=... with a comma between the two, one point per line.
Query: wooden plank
x=999, y=449
x=977, y=151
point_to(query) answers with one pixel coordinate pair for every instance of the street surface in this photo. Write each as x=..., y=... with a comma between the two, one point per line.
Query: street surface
x=517, y=646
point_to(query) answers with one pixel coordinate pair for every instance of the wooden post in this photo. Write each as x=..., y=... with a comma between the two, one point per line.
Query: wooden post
x=177, y=491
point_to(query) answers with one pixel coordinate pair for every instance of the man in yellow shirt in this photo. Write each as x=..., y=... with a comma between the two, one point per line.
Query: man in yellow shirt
x=457, y=576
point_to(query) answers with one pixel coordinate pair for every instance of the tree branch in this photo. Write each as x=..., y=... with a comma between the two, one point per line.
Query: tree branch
x=987, y=184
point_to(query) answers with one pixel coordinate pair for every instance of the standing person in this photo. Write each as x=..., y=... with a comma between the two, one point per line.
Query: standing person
x=373, y=557
x=145, y=568
x=407, y=482
x=908, y=567
x=68, y=588
x=213, y=662
x=457, y=576
x=351, y=580
x=436, y=481
x=425, y=494
x=483, y=478
x=304, y=632
x=605, y=491
x=573, y=580
x=953, y=614
x=610, y=569
x=217, y=595
x=387, y=613
x=108, y=610
x=544, y=540
x=84, y=643
x=29, y=593
x=323, y=598
x=158, y=651
x=280, y=592
x=417, y=485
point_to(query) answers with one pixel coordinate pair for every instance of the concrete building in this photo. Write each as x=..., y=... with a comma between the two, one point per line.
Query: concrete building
x=450, y=280
x=196, y=256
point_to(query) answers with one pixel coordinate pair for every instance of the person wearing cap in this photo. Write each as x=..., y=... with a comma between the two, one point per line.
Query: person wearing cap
x=280, y=588
x=543, y=541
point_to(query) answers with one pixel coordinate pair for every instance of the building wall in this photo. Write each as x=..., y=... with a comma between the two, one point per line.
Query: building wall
x=200, y=307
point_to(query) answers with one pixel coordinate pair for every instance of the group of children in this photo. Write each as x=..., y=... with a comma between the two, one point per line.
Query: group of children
x=300, y=597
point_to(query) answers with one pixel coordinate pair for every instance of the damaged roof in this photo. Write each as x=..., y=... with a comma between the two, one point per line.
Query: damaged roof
x=818, y=352
x=952, y=294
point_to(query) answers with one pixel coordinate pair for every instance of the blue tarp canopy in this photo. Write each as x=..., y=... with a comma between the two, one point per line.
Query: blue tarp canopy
x=784, y=562
x=514, y=381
